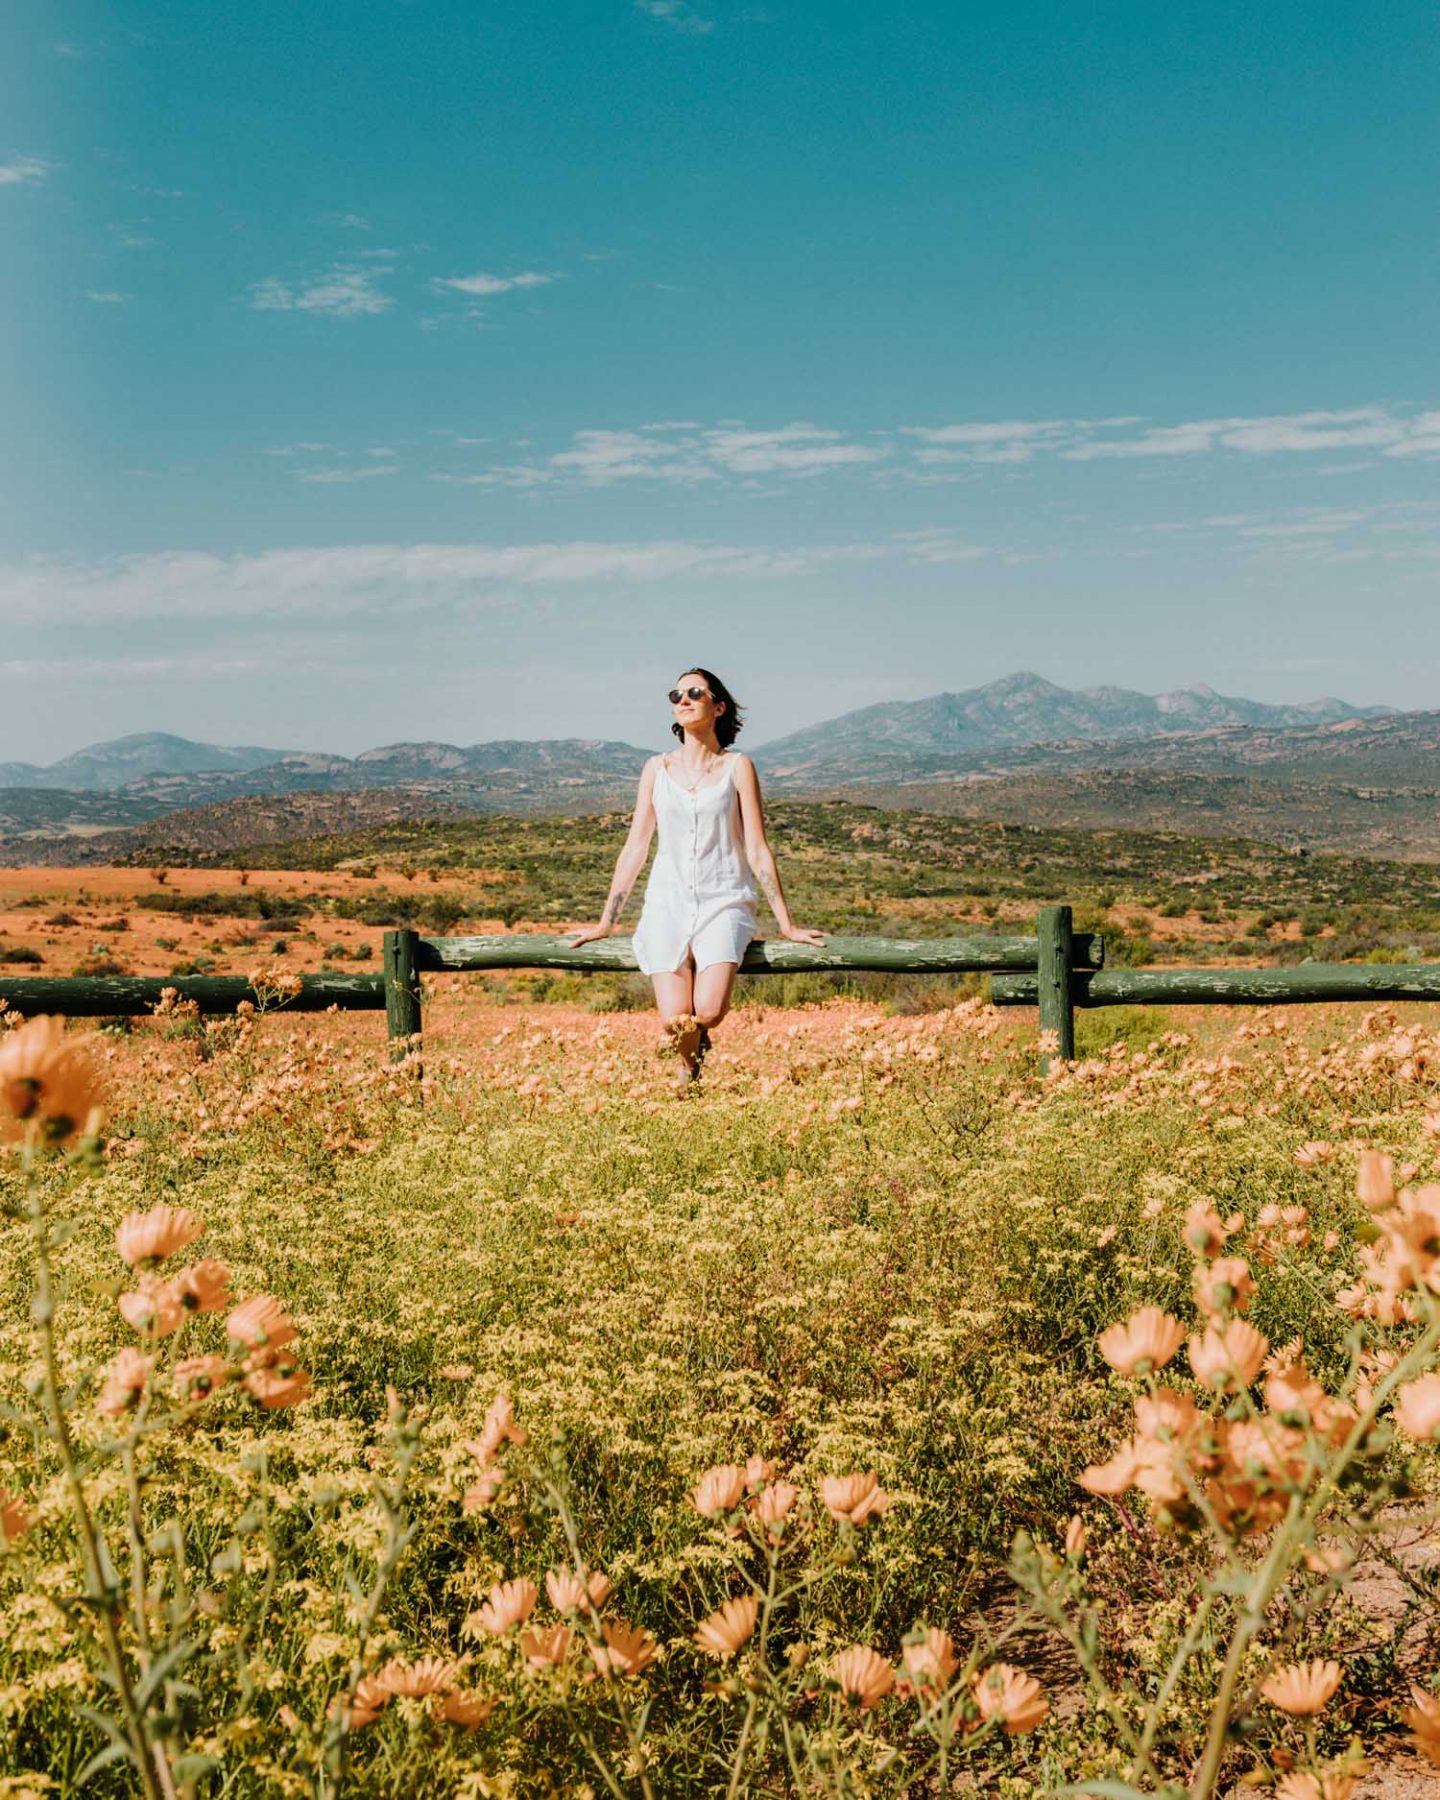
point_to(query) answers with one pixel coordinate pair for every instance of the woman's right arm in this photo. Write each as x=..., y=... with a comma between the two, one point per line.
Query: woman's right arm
x=629, y=863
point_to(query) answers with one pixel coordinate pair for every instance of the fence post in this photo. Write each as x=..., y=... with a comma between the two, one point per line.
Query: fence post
x=1054, y=929
x=402, y=991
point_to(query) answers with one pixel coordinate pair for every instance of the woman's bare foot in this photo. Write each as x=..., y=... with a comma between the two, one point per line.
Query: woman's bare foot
x=682, y=1038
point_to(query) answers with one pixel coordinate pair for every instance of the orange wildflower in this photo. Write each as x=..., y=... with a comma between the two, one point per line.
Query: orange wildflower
x=48, y=1083
x=1223, y=1286
x=125, y=1380
x=276, y=1385
x=413, y=1681
x=1007, y=1694
x=773, y=1506
x=153, y=1309
x=856, y=1499
x=569, y=1592
x=150, y=1237
x=1332, y=1784
x=1302, y=1688
x=196, y=1377
x=757, y=1472
x=483, y=1489
x=15, y=1518
x=719, y=1490
x=261, y=1324
x=1076, y=1538
x=627, y=1650
x=1228, y=1355
x=862, y=1676
x=930, y=1661
x=545, y=1646
x=204, y=1287
x=1417, y=1408
x=468, y=1710
x=723, y=1633
x=1375, y=1181
x=1146, y=1341
x=499, y=1428
x=509, y=1603
x=1423, y=1719
x=1109, y=1479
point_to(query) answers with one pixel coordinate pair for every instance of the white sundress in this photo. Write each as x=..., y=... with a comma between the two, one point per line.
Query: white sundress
x=701, y=895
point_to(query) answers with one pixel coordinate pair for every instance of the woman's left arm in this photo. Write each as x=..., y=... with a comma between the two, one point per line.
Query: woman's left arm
x=760, y=855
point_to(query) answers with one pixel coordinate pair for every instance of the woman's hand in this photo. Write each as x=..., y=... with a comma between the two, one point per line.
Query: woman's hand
x=588, y=934
x=798, y=935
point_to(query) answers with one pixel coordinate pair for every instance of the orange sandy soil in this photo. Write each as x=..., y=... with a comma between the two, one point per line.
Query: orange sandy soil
x=97, y=897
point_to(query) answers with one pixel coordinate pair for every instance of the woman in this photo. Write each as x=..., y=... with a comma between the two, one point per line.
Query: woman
x=700, y=901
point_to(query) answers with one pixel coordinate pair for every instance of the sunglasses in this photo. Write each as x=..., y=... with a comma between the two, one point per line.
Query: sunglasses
x=676, y=695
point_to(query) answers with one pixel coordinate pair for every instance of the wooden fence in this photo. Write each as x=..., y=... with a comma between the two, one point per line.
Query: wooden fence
x=1056, y=971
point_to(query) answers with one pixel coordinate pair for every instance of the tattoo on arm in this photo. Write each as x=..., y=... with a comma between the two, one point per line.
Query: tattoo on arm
x=614, y=906
x=770, y=881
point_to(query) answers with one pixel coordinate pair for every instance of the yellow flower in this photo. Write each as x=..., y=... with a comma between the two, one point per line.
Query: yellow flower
x=725, y=1631
x=1302, y=1688
x=1145, y=1342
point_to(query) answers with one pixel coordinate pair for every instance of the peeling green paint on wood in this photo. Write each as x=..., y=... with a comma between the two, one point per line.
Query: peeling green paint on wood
x=130, y=996
x=772, y=956
x=1237, y=987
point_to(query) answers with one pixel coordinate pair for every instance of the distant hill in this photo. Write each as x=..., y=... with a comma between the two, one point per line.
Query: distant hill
x=121, y=760
x=1024, y=709
x=1326, y=774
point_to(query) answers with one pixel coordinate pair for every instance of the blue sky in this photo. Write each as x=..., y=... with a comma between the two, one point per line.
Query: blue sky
x=419, y=368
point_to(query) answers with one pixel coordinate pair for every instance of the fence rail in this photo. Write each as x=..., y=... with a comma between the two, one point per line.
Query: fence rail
x=127, y=996
x=1056, y=970
x=1234, y=987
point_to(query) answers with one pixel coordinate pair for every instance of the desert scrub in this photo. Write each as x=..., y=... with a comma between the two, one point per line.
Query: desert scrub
x=879, y=1247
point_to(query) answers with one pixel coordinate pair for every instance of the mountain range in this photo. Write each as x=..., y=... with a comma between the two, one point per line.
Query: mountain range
x=1018, y=709
x=1021, y=748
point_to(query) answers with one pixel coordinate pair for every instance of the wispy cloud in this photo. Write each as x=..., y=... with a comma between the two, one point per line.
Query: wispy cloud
x=194, y=667
x=333, y=477
x=23, y=169
x=495, y=284
x=346, y=221
x=380, y=578
x=341, y=293
x=685, y=454
x=105, y=296
x=1385, y=430
x=678, y=15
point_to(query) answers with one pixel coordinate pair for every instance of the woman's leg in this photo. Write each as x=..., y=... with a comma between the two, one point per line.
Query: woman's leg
x=712, y=990
x=675, y=993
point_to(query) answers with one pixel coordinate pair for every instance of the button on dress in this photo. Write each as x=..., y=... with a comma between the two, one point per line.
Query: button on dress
x=701, y=895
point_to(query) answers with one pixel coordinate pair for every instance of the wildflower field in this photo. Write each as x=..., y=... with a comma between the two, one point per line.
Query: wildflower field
x=882, y=1420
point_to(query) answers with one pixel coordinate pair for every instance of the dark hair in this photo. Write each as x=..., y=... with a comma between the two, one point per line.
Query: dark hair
x=728, y=725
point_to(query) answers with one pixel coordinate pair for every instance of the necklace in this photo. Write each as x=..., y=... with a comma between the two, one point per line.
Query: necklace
x=695, y=786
